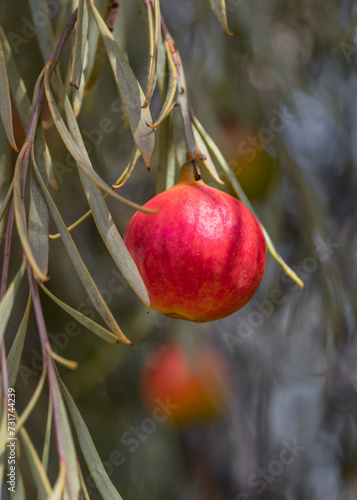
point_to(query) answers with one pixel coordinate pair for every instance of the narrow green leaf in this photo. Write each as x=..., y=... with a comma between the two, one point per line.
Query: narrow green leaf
x=6, y=174
x=7, y=199
x=98, y=63
x=15, y=354
x=242, y=196
x=131, y=93
x=208, y=163
x=33, y=400
x=8, y=300
x=59, y=485
x=79, y=44
x=83, y=486
x=125, y=176
x=5, y=101
x=51, y=176
x=219, y=10
x=68, y=363
x=38, y=211
x=44, y=31
x=154, y=44
x=18, y=89
x=78, y=96
x=47, y=441
x=78, y=263
x=103, y=219
x=83, y=320
x=38, y=473
x=171, y=90
x=68, y=444
x=80, y=153
x=90, y=454
x=21, y=217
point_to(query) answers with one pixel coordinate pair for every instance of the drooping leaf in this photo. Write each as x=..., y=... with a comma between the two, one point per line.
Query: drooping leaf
x=219, y=10
x=18, y=89
x=5, y=101
x=83, y=486
x=78, y=263
x=128, y=170
x=79, y=44
x=8, y=300
x=38, y=473
x=242, y=196
x=83, y=320
x=33, y=400
x=103, y=219
x=79, y=152
x=20, y=216
x=131, y=93
x=47, y=440
x=51, y=177
x=170, y=90
x=7, y=199
x=44, y=33
x=208, y=163
x=59, y=486
x=90, y=454
x=78, y=96
x=14, y=356
x=38, y=211
x=154, y=30
x=70, y=457
x=98, y=63
x=72, y=365
x=6, y=175
x=122, y=179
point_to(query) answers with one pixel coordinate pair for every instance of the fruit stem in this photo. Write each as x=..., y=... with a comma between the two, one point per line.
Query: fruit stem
x=193, y=153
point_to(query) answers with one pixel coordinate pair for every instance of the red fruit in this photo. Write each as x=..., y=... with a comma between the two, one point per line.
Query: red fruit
x=195, y=386
x=202, y=255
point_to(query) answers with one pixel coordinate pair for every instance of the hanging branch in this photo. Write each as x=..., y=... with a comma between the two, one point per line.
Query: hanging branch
x=193, y=153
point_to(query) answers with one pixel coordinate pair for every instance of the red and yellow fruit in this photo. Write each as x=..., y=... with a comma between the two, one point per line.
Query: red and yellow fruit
x=202, y=256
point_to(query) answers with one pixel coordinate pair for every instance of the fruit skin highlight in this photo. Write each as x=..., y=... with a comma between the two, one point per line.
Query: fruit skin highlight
x=202, y=256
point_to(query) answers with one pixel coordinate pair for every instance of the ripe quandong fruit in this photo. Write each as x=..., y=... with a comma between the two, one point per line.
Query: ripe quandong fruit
x=202, y=256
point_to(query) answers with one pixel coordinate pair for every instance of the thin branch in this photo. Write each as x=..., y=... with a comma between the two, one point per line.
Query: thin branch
x=113, y=8
x=193, y=153
x=49, y=364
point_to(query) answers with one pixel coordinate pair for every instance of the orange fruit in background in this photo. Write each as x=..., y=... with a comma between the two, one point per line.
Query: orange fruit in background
x=254, y=168
x=194, y=385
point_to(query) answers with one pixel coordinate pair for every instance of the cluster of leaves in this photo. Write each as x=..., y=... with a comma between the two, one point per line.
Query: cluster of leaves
x=34, y=175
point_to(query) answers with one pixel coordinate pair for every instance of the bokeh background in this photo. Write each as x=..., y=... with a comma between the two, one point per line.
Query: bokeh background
x=279, y=99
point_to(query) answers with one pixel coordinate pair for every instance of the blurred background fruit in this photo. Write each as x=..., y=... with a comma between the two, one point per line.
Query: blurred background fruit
x=255, y=169
x=196, y=382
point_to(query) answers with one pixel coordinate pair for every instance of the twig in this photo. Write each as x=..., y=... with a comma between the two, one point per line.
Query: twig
x=49, y=364
x=113, y=8
x=193, y=153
